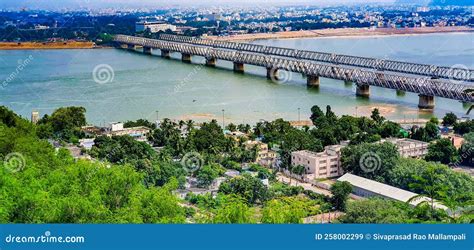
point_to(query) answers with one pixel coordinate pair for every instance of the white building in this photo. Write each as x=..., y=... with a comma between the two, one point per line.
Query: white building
x=364, y=187
x=408, y=147
x=154, y=27
x=319, y=165
x=138, y=133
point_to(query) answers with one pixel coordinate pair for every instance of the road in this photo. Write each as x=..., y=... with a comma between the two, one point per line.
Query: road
x=304, y=185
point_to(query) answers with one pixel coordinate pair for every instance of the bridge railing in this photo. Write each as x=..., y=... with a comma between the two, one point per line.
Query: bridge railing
x=361, y=76
x=456, y=73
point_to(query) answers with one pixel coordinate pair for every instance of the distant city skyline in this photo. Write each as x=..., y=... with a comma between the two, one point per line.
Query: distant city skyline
x=65, y=4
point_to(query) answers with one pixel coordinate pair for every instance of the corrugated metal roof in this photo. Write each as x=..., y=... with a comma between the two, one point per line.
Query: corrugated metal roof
x=385, y=190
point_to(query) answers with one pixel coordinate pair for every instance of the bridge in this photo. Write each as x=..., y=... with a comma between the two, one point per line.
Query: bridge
x=425, y=80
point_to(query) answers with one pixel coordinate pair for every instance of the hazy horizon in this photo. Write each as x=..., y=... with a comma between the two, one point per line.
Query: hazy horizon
x=66, y=4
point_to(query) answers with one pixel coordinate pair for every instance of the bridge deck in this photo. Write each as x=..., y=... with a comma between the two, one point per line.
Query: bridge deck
x=423, y=85
x=455, y=73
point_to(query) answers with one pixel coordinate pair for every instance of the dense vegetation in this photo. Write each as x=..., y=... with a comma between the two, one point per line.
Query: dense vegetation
x=132, y=182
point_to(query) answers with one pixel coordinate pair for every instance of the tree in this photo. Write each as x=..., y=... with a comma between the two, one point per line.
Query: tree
x=373, y=161
x=340, y=193
x=138, y=123
x=430, y=183
x=248, y=187
x=467, y=149
x=443, y=151
x=65, y=122
x=288, y=210
x=316, y=114
x=207, y=174
x=231, y=127
x=233, y=210
x=375, y=210
x=376, y=116
x=449, y=119
x=459, y=184
x=464, y=127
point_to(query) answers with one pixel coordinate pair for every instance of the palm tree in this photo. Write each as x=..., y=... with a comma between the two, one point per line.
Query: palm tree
x=429, y=183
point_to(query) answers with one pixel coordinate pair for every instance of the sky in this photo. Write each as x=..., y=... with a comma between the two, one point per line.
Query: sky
x=62, y=4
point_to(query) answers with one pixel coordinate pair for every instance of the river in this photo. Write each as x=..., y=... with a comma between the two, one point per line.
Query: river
x=138, y=86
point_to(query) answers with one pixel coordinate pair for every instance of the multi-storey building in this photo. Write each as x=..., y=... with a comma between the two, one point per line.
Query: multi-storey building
x=325, y=164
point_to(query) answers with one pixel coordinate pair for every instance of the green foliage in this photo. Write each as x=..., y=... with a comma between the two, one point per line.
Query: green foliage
x=263, y=173
x=340, y=193
x=288, y=210
x=443, y=151
x=64, y=123
x=139, y=123
x=376, y=116
x=449, y=119
x=51, y=187
x=233, y=210
x=208, y=173
x=467, y=149
x=458, y=184
x=372, y=161
x=375, y=211
x=279, y=189
x=126, y=150
x=248, y=187
x=429, y=133
x=464, y=127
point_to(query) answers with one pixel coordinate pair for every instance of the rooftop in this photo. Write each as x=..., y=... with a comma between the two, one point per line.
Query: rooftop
x=384, y=189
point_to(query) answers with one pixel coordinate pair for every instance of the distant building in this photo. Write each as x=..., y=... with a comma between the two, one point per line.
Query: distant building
x=364, y=187
x=87, y=143
x=116, y=126
x=154, y=27
x=35, y=117
x=138, y=133
x=408, y=147
x=319, y=165
x=265, y=157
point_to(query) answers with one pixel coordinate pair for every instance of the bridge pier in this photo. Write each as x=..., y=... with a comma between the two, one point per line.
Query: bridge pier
x=312, y=81
x=426, y=102
x=363, y=90
x=400, y=93
x=238, y=67
x=147, y=50
x=186, y=58
x=272, y=74
x=165, y=53
x=211, y=62
x=131, y=46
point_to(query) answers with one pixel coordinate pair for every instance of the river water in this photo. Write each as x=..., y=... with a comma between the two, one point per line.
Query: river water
x=138, y=86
